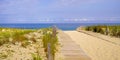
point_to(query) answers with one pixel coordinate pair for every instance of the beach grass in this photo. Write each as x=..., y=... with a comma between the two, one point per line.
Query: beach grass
x=104, y=29
x=36, y=57
x=12, y=35
x=48, y=38
x=29, y=37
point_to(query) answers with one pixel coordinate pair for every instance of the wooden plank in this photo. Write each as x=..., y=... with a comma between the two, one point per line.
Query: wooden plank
x=70, y=49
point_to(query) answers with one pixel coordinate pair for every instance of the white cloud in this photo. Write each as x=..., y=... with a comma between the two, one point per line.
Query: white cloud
x=69, y=3
x=93, y=19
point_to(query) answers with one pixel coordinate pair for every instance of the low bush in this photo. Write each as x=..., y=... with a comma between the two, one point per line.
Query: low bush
x=104, y=29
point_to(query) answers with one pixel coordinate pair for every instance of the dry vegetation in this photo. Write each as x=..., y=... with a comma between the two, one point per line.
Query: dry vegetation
x=26, y=44
x=104, y=29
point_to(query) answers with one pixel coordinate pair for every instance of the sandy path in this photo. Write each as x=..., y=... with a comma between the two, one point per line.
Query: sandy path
x=70, y=50
x=96, y=48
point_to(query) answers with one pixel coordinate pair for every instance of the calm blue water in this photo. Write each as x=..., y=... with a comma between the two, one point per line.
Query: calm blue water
x=63, y=26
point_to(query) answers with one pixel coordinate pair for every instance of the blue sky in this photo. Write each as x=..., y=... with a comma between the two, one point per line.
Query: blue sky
x=59, y=11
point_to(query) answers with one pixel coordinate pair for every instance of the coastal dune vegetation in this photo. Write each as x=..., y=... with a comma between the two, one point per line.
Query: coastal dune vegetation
x=27, y=44
x=50, y=40
x=104, y=29
x=13, y=35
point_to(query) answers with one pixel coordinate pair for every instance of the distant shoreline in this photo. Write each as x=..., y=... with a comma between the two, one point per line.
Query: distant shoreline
x=62, y=26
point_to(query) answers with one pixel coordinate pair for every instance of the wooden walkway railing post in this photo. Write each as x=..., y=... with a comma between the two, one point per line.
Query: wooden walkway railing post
x=49, y=51
x=54, y=31
x=50, y=56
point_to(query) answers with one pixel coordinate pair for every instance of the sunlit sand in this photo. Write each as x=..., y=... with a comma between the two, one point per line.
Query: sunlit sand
x=96, y=48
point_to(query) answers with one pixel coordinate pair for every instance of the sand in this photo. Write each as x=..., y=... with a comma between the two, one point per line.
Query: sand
x=94, y=47
x=17, y=52
x=69, y=49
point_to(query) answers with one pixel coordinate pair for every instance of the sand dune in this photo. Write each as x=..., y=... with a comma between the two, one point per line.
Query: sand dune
x=96, y=48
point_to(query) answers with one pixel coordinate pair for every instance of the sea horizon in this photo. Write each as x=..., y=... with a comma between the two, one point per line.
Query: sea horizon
x=62, y=26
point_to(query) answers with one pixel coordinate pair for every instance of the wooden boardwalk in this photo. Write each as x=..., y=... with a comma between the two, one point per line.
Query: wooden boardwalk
x=70, y=49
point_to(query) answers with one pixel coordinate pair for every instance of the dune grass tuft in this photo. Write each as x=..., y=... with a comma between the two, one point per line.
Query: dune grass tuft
x=48, y=38
x=36, y=57
x=16, y=35
x=104, y=29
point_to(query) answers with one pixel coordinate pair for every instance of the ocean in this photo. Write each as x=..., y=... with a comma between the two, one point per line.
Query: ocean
x=62, y=26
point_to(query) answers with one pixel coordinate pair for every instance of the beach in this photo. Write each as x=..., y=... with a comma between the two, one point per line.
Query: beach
x=69, y=45
x=59, y=30
x=96, y=48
